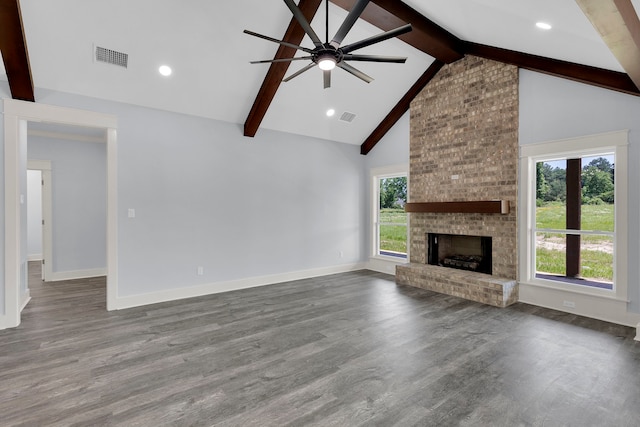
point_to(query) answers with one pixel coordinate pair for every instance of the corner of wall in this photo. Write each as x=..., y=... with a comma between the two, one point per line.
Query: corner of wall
x=383, y=266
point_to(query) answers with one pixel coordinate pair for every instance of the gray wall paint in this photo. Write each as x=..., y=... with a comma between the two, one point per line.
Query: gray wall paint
x=240, y=207
x=4, y=93
x=79, y=194
x=204, y=195
x=393, y=148
x=552, y=108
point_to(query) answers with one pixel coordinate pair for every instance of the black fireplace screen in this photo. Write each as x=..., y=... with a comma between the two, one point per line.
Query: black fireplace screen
x=463, y=252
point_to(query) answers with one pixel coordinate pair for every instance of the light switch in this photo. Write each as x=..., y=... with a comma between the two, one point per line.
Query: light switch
x=131, y=213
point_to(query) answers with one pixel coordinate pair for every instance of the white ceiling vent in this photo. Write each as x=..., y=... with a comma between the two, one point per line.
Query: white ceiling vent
x=111, y=57
x=347, y=117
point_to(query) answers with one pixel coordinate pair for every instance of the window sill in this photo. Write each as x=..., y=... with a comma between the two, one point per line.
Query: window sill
x=574, y=289
x=385, y=264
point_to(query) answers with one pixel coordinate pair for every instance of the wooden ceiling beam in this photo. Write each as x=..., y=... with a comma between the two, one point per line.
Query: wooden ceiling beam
x=400, y=108
x=15, y=56
x=277, y=71
x=600, y=77
x=426, y=36
x=619, y=26
x=447, y=48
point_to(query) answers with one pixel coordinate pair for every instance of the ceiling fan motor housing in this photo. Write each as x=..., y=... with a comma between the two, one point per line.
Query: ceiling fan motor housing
x=327, y=51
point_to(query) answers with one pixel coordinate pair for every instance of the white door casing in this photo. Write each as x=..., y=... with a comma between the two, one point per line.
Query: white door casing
x=16, y=115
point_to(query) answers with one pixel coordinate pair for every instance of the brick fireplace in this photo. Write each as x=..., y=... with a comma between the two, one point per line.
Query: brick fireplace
x=464, y=148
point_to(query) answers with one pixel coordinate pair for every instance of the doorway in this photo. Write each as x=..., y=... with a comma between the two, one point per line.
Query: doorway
x=75, y=219
x=16, y=116
x=39, y=214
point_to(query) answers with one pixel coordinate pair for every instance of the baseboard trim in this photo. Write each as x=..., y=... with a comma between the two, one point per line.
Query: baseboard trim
x=58, y=276
x=26, y=297
x=592, y=306
x=232, y=285
x=34, y=257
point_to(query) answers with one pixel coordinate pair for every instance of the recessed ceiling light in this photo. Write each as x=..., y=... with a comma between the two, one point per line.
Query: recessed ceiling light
x=543, y=25
x=165, y=70
x=330, y=112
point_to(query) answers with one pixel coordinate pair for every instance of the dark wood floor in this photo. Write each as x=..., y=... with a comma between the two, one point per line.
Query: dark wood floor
x=343, y=350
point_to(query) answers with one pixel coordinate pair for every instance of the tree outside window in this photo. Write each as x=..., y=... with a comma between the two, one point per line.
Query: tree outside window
x=574, y=236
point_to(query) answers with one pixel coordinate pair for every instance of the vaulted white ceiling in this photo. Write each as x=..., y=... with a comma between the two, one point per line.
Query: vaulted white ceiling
x=203, y=42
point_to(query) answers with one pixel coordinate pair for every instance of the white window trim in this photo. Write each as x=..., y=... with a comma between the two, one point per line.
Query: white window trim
x=376, y=175
x=588, y=301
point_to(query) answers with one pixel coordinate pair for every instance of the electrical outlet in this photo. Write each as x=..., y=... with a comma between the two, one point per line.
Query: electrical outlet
x=341, y=254
x=200, y=271
x=569, y=304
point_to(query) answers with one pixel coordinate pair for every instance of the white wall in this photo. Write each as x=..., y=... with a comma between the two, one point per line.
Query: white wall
x=79, y=203
x=34, y=215
x=553, y=108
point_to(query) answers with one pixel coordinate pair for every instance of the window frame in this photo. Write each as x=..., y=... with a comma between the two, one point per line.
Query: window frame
x=591, y=145
x=378, y=174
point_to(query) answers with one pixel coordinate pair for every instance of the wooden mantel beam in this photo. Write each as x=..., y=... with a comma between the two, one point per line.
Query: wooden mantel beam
x=13, y=45
x=618, y=24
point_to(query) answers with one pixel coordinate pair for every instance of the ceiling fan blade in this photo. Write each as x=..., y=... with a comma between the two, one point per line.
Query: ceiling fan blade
x=348, y=23
x=296, y=74
x=283, y=43
x=359, y=74
x=377, y=38
x=375, y=58
x=297, y=13
x=268, y=61
x=326, y=74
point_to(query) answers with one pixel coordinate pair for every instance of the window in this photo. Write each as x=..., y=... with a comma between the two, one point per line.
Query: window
x=389, y=218
x=575, y=221
x=576, y=208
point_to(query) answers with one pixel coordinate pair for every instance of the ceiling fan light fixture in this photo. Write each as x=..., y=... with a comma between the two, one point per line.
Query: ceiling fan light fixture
x=332, y=54
x=326, y=64
x=165, y=70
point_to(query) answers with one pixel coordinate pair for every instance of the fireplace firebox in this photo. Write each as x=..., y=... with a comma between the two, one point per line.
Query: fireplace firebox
x=462, y=252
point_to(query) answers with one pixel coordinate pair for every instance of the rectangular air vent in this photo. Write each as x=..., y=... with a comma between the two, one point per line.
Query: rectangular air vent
x=347, y=117
x=111, y=57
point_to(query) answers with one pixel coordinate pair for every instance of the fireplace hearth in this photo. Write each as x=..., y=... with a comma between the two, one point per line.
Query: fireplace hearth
x=462, y=252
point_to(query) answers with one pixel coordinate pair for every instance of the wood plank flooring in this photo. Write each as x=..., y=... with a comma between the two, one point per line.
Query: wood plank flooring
x=344, y=350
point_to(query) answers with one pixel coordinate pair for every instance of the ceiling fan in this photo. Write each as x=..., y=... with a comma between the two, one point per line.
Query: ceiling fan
x=330, y=54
